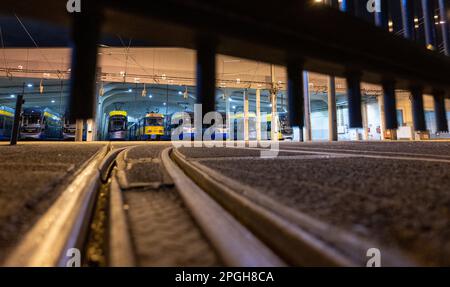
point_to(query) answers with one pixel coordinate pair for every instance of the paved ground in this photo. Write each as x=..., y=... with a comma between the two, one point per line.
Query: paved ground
x=394, y=193
x=30, y=174
x=162, y=230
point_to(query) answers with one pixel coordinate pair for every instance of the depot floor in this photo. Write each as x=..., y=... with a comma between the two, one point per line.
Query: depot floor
x=395, y=193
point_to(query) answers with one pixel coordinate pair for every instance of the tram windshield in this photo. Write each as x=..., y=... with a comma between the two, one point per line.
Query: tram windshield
x=32, y=119
x=154, y=122
x=117, y=124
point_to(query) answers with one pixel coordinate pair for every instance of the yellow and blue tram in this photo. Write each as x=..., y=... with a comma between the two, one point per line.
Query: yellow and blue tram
x=118, y=125
x=150, y=127
x=41, y=124
x=6, y=122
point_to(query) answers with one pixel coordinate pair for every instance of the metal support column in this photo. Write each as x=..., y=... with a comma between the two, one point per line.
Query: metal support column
x=390, y=109
x=418, y=110
x=85, y=36
x=348, y=6
x=246, y=108
x=206, y=77
x=79, y=126
x=333, y=3
x=381, y=17
x=407, y=18
x=16, y=123
x=354, y=100
x=230, y=126
x=382, y=116
x=428, y=18
x=445, y=26
x=90, y=130
x=365, y=119
x=307, y=124
x=296, y=98
x=273, y=101
x=258, y=114
x=332, y=110
x=441, y=115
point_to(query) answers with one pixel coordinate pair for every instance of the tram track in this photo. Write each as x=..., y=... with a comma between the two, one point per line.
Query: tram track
x=244, y=227
x=295, y=237
x=65, y=226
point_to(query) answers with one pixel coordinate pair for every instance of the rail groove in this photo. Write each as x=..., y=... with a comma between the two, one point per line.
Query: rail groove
x=297, y=238
x=66, y=223
x=234, y=243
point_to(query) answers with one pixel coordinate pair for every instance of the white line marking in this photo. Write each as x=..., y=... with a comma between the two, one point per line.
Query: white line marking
x=367, y=151
x=354, y=155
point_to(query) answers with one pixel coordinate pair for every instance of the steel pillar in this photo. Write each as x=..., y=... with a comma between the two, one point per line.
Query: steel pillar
x=427, y=11
x=381, y=18
x=332, y=116
x=354, y=100
x=85, y=36
x=206, y=74
x=390, y=110
x=273, y=101
x=296, y=98
x=307, y=123
x=16, y=123
x=445, y=26
x=441, y=115
x=258, y=114
x=79, y=126
x=365, y=119
x=246, y=109
x=407, y=18
x=418, y=109
x=348, y=6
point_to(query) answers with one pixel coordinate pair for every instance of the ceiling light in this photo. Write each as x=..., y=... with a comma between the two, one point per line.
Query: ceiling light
x=30, y=85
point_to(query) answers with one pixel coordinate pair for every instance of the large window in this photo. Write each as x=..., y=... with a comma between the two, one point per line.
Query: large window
x=154, y=122
x=32, y=119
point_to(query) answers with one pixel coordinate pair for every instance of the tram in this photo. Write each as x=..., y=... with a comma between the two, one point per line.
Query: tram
x=69, y=130
x=6, y=122
x=176, y=120
x=41, y=124
x=150, y=127
x=118, y=125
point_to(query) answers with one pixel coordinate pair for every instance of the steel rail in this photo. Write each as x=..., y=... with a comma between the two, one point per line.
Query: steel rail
x=294, y=236
x=65, y=225
x=237, y=246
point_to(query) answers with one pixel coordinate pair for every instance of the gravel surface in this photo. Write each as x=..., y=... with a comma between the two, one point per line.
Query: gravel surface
x=403, y=204
x=163, y=232
x=198, y=152
x=162, y=229
x=30, y=174
x=439, y=149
